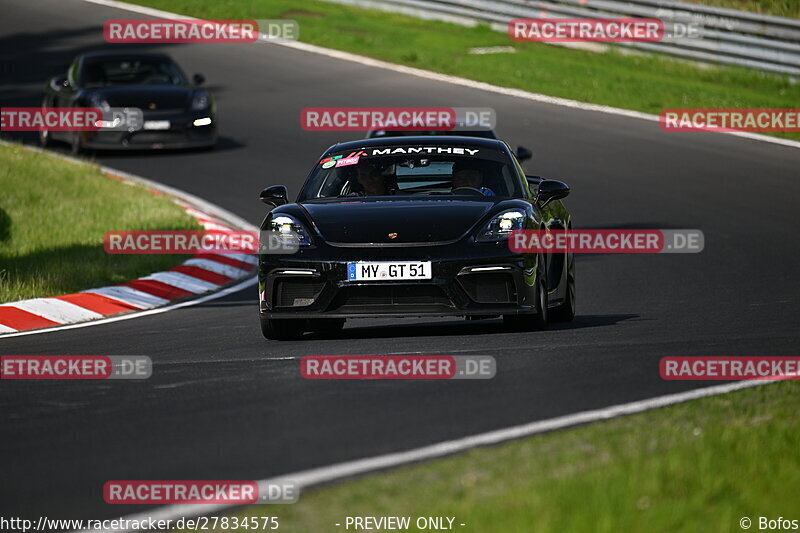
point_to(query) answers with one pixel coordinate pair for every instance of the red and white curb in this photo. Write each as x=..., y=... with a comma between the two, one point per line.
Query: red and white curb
x=199, y=275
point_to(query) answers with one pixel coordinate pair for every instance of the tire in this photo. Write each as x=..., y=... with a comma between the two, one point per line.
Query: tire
x=533, y=322
x=283, y=330
x=565, y=312
x=326, y=327
x=45, y=140
x=75, y=146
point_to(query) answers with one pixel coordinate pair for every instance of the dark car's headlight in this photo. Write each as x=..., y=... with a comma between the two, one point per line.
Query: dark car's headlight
x=200, y=101
x=98, y=101
x=501, y=226
x=287, y=225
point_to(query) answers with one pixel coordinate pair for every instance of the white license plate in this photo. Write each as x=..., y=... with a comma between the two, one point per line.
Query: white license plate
x=156, y=124
x=388, y=271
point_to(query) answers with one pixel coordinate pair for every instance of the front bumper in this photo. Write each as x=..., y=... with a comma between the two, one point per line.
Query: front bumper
x=468, y=279
x=182, y=133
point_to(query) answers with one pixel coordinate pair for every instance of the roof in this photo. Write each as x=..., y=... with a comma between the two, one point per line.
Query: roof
x=422, y=140
x=119, y=53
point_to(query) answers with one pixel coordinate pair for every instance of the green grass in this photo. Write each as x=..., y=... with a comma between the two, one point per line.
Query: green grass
x=53, y=215
x=643, y=83
x=780, y=8
x=693, y=467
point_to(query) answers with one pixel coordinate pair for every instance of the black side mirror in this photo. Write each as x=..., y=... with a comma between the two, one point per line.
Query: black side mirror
x=523, y=154
x=550, y=190
x=198, y=79
x=275, y=195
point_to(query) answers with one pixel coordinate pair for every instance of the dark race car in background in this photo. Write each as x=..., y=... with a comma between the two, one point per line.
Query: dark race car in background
x=414, y=226
x=175, y=112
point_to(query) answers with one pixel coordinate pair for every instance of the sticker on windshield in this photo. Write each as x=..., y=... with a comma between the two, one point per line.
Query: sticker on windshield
x=352, y=157
x=346, y=162
x=425, y=149
x=328, y=162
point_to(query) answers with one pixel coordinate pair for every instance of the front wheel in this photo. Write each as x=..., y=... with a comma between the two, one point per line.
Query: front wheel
x=45, y=139
x=536, y=321
x=565, y=311
x=283, y=330
x=75, y=145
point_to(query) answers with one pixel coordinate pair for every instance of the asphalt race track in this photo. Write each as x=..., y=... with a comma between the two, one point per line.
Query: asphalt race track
x=223, y=403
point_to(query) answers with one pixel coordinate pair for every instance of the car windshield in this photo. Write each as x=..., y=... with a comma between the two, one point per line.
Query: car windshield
x=101, y=72
x=400, y=171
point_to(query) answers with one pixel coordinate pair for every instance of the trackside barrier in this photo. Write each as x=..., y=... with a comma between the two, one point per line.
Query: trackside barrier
x=728, y=37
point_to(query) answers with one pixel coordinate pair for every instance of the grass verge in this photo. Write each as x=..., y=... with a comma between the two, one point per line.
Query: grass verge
x=694, y=467
x=53, y=215
x=779, y=8
x=643, y=83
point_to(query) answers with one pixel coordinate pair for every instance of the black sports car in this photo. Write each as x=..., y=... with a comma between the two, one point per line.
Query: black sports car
x=414, y=226
x=175, y=112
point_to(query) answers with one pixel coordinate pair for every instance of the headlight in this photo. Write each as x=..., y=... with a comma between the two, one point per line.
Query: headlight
x=98, y=101
x=200, y=101
x=288, y=225
x=501, y=226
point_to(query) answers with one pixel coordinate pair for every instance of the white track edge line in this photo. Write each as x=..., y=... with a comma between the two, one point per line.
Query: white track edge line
x=325, y=474
x=446, y=78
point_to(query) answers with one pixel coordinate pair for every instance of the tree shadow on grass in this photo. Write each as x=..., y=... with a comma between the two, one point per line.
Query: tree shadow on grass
x=5, y=226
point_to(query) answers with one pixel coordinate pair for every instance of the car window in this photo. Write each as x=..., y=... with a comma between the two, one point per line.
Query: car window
x=99, y=72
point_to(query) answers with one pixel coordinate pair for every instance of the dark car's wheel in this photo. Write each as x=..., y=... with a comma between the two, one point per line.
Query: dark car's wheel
x=45, y=140
x=75, y=146
x=565, y=312
x=326, y=327
x=534, y=321
x=283, y=330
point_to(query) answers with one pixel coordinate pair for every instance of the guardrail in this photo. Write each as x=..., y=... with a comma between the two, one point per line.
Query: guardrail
x=727, y=36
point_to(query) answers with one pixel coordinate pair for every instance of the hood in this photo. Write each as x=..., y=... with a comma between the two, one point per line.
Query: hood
x=164, y=97
x=414, y=221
